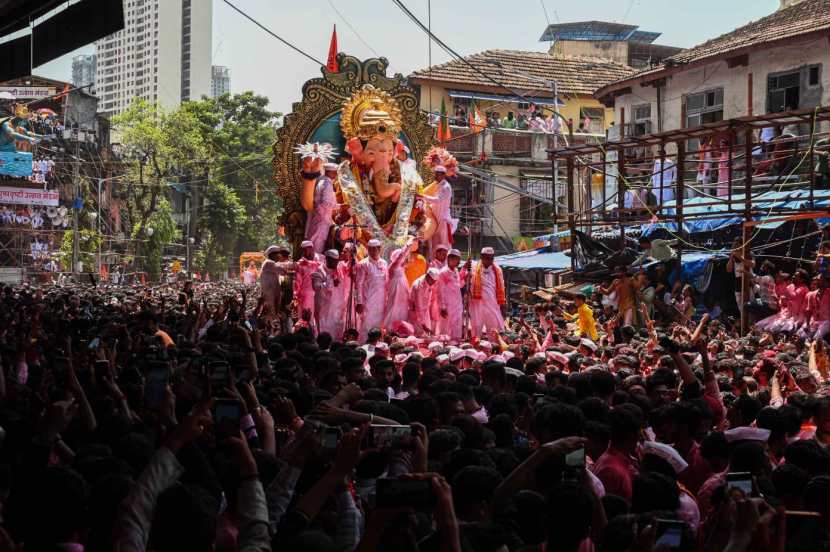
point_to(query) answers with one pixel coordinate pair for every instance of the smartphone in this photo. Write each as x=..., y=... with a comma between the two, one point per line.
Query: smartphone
x=739, y=484
x=157, y=381
x=226, y=416
x=385, y=436
x=797, y=520
x=669, y=534
x=330, y=438
x=415, y=493
x=95, y=343
x=575, y=459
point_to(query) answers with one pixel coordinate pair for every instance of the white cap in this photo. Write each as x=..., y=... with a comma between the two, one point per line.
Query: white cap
x=667, y=453
x=382, y=346
x=488, y=251
x=556, y=356
x=433, y=272
x=484, y=344
x=457, y=354
x=454, y=252
x=588, y=343
x=435, y=345
x=330, y=167
x=373, y=243
x=746, y=433
x=307, y=243
x=272, y=249
x=441, y=246
x=440, y=169
x=507, y=355
x=332, y=254
x=442, y=358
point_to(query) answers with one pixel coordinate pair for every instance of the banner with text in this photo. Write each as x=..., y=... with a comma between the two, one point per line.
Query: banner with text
x=27, y=196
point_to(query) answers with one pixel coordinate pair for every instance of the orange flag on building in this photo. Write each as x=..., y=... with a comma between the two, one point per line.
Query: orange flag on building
x=444, y=133
x=331, y=62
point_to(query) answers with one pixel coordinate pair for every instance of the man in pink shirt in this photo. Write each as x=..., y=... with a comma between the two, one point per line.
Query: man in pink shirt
x=421, y=300
x=441, y=208
x=330, y=290
x=448, y=298
x=439, y=260
x=370, y=289
x=307, y=265
x=618, y=465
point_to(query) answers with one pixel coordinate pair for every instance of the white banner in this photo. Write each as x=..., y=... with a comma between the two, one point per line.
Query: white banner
x=29, y=91
x=27, y=196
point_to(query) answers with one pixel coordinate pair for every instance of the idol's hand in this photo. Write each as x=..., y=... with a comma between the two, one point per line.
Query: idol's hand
x=312, y=165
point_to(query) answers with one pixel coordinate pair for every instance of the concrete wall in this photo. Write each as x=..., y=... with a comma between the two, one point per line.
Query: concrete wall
x=735, y=84
x=201, y=48
x=169, y=61
x=616, y=50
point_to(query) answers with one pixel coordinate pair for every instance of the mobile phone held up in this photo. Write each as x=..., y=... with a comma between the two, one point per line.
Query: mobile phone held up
x=157, y=381
x=388, y=436
x=739, y=485
x=227, y=414
x=669, y=534
x=414, y=493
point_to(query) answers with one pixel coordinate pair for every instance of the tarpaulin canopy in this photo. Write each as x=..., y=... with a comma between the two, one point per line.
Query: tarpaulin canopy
x=535, y=259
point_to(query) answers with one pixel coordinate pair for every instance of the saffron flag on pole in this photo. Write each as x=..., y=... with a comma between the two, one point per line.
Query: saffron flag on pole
x=477, y=122
x=443, y=124
x=331, y=62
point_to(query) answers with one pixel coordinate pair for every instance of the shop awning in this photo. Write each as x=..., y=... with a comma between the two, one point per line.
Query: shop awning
x=467, y=94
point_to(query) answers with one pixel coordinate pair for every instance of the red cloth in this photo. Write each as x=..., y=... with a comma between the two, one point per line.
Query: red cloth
x=331, y=62
x=616, y=470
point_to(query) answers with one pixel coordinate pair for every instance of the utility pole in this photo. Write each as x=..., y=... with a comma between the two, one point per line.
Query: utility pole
x=555, y=158
x=76, y=205
x=187, y=232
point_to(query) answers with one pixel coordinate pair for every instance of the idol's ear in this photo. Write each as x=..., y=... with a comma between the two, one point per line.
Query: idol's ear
x=355, y=149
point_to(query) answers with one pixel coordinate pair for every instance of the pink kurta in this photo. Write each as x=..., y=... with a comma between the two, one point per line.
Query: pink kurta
x=441, y=209
x=792, y=314
x=319, y=219
x=448, y=298
x=818, y=310
x=269, y=281
x=397, y=289
x=370, y=289
x=485, y=313
x=303, y=288
x=331, y=293
x=421, y=300
x=723, y=174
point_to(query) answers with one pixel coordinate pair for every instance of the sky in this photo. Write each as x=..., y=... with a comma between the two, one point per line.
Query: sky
x=261, y=63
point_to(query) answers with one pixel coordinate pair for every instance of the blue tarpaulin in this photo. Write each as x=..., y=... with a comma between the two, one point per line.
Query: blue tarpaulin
x=535, y=259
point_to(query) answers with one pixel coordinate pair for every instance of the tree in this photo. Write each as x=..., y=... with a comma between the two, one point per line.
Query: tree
x=157, y=146
x=221, y=221
x=240, y=132
x=88, y=242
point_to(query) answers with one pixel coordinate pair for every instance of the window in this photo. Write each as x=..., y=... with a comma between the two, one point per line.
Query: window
x=784, y=92
x=596, y=119
x=524, y=106
x=704, y=107
x=642, y=112
x=813, y=79
x=641, y=123
x=535, y=216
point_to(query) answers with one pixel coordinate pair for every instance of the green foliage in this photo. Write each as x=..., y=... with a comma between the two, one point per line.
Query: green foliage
x=150, y=248
x=88, y=243
x=219, y=149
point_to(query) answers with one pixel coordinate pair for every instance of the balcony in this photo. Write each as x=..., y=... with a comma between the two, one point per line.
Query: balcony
x=502, y=143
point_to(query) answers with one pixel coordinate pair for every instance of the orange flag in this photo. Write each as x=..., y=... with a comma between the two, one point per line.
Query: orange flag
x=331, y=63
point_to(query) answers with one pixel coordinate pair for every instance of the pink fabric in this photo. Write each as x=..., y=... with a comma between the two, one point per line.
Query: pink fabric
x=616, y=470
x=792, y=313
x=704, y=497
x=331, y=289
x=723, y=173
x=370, y=288
x=697, y=471
x=441, y=209
x=319, y=219
x=486, y=312
x=421, y=299
x=688, y=511
x=448, y=297
x=303, y=289
x=397, y=289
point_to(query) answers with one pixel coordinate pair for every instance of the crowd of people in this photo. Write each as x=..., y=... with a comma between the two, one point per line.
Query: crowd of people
x=196, y=417
x=533, y=119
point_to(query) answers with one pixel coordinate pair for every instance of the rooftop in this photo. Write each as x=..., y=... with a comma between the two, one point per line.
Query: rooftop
x=527, y=71
x=804, y=18
x=597, y=30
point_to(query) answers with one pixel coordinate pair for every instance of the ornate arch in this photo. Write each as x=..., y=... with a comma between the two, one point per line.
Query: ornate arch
x=324, y=97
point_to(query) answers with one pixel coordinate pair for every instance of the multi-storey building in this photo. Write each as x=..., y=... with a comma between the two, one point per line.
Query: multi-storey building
x=220, y=82
x=83, y=71
x=163, y=54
